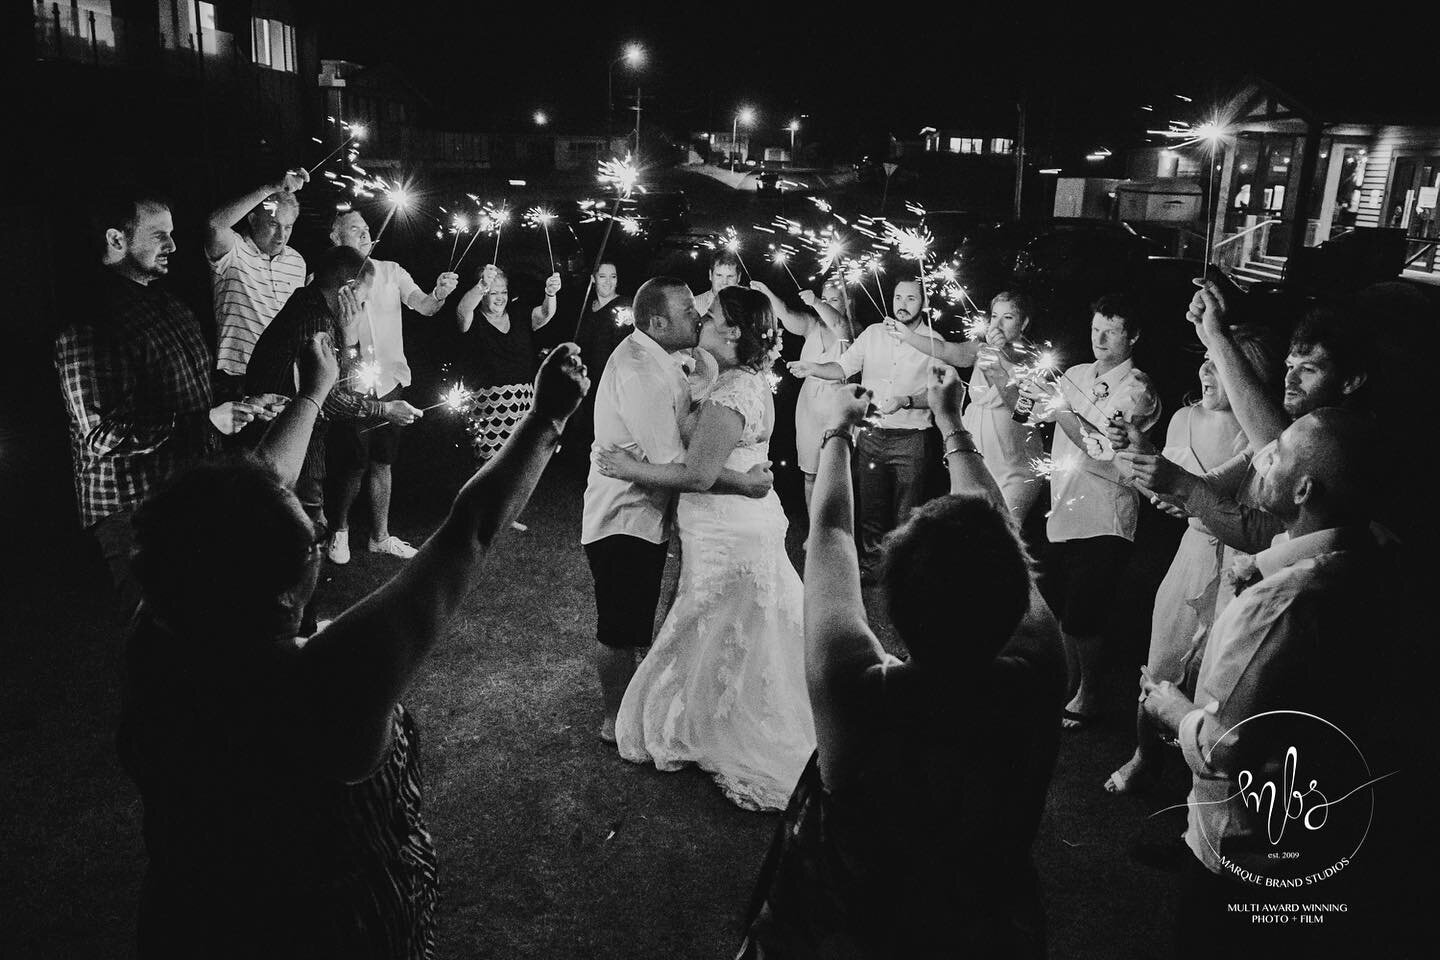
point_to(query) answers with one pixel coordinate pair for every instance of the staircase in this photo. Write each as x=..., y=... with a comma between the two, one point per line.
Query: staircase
x=1263, y=269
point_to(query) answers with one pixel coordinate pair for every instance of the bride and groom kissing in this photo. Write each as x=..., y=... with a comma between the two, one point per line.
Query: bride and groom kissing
x=723, y=685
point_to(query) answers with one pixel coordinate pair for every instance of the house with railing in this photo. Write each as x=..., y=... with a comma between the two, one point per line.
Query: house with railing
x=1311, y=173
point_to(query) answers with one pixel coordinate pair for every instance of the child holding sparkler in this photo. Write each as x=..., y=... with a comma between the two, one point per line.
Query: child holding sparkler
x=506, y=354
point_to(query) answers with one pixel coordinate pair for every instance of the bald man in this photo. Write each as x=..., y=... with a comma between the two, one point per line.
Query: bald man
x=1307, y=632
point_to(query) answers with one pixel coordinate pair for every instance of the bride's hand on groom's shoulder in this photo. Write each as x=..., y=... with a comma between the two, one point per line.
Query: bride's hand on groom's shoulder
x=614, y=462
x=561, y=383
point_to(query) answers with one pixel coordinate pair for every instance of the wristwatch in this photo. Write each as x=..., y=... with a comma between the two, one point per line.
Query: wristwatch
x=845, y=433
x=909, y=402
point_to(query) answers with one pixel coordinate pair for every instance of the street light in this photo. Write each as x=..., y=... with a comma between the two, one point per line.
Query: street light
x=792, y=127
x=746, y=116
x=634, y=55
x=540, y=118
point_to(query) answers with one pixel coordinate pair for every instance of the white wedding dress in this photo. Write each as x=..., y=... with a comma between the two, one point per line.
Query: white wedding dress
x=724, y=683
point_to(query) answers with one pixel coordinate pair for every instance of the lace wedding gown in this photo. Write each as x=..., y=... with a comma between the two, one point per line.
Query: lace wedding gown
x=724, y=683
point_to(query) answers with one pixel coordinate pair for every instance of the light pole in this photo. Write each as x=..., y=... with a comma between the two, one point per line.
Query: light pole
x=793, y=126
x=747, y=117
x=634, y=55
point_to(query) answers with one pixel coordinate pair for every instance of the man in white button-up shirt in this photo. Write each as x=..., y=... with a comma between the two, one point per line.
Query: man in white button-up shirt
x=1092, y=507
x=1312, y=630
x=642, y=396
x=891, y=450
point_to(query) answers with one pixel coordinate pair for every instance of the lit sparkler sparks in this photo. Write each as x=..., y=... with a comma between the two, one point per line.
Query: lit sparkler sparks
x=367, y=376
x=630, y=225
x=459, y=223
x=620, y=175
x=780, y=257
x=624, y=317
x=976, y=328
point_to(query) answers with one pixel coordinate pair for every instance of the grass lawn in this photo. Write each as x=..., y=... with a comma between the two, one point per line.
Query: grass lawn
x=551, y=846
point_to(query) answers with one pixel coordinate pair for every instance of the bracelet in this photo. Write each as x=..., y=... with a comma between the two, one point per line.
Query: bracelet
x=843, y=433
x=964, y=442
x=312, y=400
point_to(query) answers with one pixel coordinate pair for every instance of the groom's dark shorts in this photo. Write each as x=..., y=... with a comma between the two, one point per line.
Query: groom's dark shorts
x=627, y=572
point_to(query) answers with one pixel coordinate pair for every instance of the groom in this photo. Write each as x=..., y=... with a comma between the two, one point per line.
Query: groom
x=643, y=396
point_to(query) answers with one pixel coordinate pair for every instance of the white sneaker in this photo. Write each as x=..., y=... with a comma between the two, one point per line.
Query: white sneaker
x=517, y=525
x=394, y=546
x=339, y=549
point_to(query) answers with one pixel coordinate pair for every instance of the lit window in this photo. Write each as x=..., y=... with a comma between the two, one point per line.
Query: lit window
x=273, y=44
x=177, y=26
x=1002, y=145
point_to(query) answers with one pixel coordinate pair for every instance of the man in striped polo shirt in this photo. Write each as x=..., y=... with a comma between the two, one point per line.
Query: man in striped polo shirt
x=253, y=271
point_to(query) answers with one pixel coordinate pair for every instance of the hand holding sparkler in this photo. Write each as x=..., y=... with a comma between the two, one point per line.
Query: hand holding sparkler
x=851, y=406
x=293, y=181
x=1207, y=311
x=319, y=368
x=561, y=384
x=445, y=285
x=944, y=391
x=1123, y=435
x=1150, y=470
x=270, y=405
x=400, y=413
x=232, y=416
x=552, y=286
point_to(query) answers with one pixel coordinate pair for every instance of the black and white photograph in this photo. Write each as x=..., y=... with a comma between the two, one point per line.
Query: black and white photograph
x=770, y=482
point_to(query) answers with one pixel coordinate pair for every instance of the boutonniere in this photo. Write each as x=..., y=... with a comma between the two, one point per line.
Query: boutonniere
x=1101, y=390
x=1243, y=573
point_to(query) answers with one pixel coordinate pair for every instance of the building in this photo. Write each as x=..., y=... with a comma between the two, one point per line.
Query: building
x=1301, y=167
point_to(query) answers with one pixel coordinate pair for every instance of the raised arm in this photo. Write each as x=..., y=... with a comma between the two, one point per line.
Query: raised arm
x=285, y=443
x=964, y=464
x=470, y=300
x=354, y=671
x=427, y=304
x=544, y=313
x=1262, y=419
x=797, y=323
x=841, y=653
x=933, y=345
x=220, y=228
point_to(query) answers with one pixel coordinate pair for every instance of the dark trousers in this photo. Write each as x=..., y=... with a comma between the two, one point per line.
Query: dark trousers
x=627, y=572
x=116, y=537
x=892, y=483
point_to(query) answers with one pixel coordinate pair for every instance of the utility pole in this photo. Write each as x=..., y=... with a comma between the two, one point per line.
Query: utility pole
x=1019, y=160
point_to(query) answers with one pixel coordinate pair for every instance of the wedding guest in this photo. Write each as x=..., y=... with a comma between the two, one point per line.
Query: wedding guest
x=1288, y=642
x=1091, y=524
x=607, y=320
x=357, y=450
x=506, y=353
x=135, y=376
x=827, y=329
x=253, y=272
x=280, y=775
x=725, y=270
x=930, y=777
x=1200, y=437
x=892, y=451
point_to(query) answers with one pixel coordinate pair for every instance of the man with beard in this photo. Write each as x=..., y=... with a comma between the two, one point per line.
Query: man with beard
x=135, y=374
x=892, y=452
x=253, y=273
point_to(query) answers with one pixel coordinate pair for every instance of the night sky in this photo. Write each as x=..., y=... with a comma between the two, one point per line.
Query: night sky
x=1084, y=78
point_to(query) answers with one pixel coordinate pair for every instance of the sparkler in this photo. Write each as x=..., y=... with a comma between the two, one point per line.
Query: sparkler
x=484, y=223
x=731, y=242
x=779, y=258
x=1212, y=133
x=357, y=132
x=539, y=216
x=630, y=225
x=976, y=327
x=457, y=400
x=499, y=217
x=624, y=178
x=624, y=317
x=459, y=223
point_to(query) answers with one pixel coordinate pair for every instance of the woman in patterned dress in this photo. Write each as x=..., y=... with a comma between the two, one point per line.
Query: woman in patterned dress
x=280, y=774
x=506, y=357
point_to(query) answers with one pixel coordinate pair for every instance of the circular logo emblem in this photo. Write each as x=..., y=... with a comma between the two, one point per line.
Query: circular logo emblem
x=1298, y=803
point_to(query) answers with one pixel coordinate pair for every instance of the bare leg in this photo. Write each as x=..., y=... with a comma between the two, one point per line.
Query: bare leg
x=379, y=487
x=348, y=490
x=1082, y=654
x=615, y=666
x=1133, y=776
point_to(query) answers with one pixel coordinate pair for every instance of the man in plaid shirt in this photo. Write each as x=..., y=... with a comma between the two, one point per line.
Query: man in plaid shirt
x=135, y=374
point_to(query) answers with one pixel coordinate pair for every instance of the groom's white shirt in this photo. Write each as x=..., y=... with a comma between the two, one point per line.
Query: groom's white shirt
x=642, y=396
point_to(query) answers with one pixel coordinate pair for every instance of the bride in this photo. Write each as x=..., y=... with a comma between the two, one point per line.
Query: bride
x=724, y=683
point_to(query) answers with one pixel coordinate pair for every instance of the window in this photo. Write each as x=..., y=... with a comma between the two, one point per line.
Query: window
x=177, y=26
x=273, y=44
x=83, y=29
x=967, y=145
x=1002, y=145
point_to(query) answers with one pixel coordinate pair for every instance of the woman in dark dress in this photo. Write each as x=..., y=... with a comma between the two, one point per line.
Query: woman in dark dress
x=280, y=774
x=505, y=357
x=909, y=834
x=606, y=321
